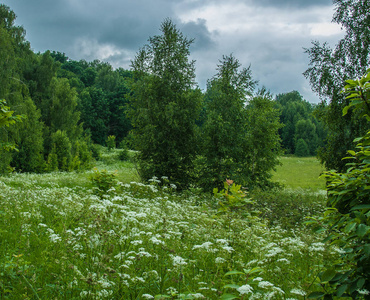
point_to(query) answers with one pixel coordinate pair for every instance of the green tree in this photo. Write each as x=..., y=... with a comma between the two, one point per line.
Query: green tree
x=263, y=146
x=329, y=68
x=224, y=130
x=164, y=106
x=306, y=130
x=348, y=211
x=301, y=148
x=299, y=121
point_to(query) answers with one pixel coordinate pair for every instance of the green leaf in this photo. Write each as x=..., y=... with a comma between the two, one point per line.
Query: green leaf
x=254, y=270
x=361, y=206
x=350, y=227
x=362, y=230
x=360, y=283
x=341, y=290
x=328, y=275
x=316, y=295
x=231, y=286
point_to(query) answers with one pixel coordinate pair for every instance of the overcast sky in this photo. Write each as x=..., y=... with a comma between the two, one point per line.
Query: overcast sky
x=267, y=34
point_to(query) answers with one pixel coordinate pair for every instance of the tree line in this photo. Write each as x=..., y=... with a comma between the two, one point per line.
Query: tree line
x=230, y=130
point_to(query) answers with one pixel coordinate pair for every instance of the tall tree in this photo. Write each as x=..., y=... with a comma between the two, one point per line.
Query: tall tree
x=224, y=135
x=165, y=105
x=263, y=146
x=329, y=68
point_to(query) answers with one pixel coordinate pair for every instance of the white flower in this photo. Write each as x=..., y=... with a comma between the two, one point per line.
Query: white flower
x=228, y=249
x=205, y=245
x=298, y=292
x=147, y=296
x=178, y=261
x=265, y=284
x=197, y=296
x=219, y=260
x=245, y=289
x=137, y=242
x=55, y=238
x=363, y=292
x=317, y=247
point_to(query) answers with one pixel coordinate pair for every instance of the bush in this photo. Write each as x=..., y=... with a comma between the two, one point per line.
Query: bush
x=60, y=156
x=95, y=151
x=111, y=142
x=103, y=181
x=123, y=155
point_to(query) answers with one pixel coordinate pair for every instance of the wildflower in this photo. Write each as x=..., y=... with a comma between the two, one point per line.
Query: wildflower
x=137, y=242
x=205, y=245
x=265, y=284
x=178, y=261
x=55, y=238
x=219, y=260
x=245, y=289
x=363, y=292
x=197, y=296
x=147, y=296
x=228, y=249
x=298, y=292
x=317, y=247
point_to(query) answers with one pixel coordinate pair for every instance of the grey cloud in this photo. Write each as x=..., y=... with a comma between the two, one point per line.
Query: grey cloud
x=199, y=32
x=293, y=3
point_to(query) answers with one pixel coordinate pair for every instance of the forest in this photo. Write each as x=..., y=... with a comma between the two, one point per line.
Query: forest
x=192, y=210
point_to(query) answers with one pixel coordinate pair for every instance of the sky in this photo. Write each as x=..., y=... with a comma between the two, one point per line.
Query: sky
x=268, y=35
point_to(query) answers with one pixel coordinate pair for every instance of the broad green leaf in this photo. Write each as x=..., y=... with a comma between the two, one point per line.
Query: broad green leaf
x=362, y=230
x=350, y=227
x=328, y=275
x=254, y=270
x=362, y=206
x=316, y=295
x=341, y=290
x=231, y=286
x=360, y=283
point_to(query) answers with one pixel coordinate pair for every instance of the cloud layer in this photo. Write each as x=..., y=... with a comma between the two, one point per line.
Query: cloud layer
x=268, y=34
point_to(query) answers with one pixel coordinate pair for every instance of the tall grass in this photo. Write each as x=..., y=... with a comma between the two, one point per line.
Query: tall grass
x=59, y=240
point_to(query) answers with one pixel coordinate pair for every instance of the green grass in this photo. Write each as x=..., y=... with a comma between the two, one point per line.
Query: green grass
x=300, y=173
x=59, y=240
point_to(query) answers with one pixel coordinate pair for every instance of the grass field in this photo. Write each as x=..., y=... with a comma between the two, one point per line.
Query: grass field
x=300, y=173
x=60, y=239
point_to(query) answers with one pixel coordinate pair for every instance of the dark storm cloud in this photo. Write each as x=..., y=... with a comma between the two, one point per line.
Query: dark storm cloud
x=268, y=34
x=199, y=32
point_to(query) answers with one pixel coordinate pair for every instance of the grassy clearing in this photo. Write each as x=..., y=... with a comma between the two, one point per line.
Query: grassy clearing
x=61, y=241
x=300, y=173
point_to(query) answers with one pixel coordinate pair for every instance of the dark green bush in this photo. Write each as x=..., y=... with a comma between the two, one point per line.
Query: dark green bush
x=123, y=155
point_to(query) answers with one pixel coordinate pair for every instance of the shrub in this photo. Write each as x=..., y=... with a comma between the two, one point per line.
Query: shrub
x=61, y=151
x=103, y=181
x=123, y=155
x=111, y=142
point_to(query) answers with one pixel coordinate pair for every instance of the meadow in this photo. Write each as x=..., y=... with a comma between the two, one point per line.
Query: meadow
x=63, y=238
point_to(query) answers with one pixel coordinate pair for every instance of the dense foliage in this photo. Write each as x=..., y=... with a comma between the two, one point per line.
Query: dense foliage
x=164, y=106
x=329, y=68
x=302, y=133
x=348, y=213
